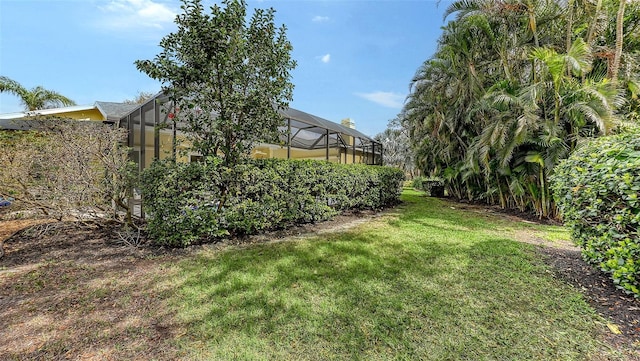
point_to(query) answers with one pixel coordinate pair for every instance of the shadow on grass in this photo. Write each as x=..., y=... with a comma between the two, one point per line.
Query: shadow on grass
x=344, y=296
x=375, y=294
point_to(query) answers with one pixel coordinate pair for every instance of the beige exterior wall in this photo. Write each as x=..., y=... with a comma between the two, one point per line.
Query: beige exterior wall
x=336, y=155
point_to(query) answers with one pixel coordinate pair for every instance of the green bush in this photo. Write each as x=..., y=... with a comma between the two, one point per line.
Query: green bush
x=416, y=183
x=197, y=202
x=433, y=186
x=596, y=191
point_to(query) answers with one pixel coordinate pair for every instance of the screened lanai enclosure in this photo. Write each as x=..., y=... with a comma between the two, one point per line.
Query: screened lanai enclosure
x=153, y=134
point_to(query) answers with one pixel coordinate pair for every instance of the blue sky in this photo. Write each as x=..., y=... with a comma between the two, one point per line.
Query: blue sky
x=355, y=58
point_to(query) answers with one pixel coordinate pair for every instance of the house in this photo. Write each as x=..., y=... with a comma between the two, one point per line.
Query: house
x=154, y=135
x=303, y=136
x=107, y=112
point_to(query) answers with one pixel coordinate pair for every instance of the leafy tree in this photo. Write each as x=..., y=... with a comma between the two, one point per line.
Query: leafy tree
x=226, y=76
x=397, y=148
x=35, y=98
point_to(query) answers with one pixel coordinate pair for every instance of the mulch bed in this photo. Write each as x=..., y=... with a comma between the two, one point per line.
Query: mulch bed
x=613, y=304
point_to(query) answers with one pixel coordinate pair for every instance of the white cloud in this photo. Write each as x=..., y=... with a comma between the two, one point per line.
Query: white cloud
x=325, y=58
x=386, y=99
x=124, y=15
x=320, y=19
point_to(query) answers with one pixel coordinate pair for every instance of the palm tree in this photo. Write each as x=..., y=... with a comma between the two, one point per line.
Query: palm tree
x=35, y=98
x=511, y=90
x=597, y=17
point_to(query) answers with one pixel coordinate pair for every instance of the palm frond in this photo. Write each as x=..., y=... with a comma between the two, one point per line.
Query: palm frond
x=602, y=121
x=11, y=86
x=462, y=8
x=579, y=57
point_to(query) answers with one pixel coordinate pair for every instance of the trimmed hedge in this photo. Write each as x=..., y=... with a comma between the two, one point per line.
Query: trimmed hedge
x=596, y=191
x=200, y=202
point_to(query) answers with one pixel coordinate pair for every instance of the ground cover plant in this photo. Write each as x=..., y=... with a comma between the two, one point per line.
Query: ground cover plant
x=426, y=280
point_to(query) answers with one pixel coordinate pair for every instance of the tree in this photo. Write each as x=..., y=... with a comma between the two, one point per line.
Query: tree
x=140, y=98
x=226, y=77
x=619, y=40
x=35, y=98
x=397, y=148
x=513, y=88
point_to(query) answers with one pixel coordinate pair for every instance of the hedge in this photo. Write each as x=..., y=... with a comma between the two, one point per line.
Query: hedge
x=596, y=191
x=199, y=202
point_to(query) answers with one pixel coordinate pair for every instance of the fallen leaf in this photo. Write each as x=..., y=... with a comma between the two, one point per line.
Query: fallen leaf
x=614, y=328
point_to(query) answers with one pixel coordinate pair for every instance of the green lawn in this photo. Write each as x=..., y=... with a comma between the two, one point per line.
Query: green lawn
x=424, y=282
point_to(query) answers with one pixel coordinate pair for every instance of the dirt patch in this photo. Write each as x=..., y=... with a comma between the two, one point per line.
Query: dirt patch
x=76, y=293
x=9, y=228
x=70, y=241
x=528, y=237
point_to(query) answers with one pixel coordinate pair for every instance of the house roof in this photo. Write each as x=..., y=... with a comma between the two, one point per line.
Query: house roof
x=304, y=121
x=15, y=124
x=114, y=110
x=51, y=111
x=316, y=121
x=110, y=111
x=11, y=116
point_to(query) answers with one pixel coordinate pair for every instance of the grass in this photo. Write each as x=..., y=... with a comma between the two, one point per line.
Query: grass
x=425, y=282
x=430, y=280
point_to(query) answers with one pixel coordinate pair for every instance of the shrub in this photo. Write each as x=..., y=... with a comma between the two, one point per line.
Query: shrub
x=596, y=191
x=197, y=202
x=64, y=168
x=417, y=182
x=433, y=186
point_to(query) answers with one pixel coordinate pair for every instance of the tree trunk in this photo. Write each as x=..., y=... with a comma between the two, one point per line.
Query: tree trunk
x=619, y=40
x=569, y=29
x=533, y=23
x=543, y=191
x=592, y=26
